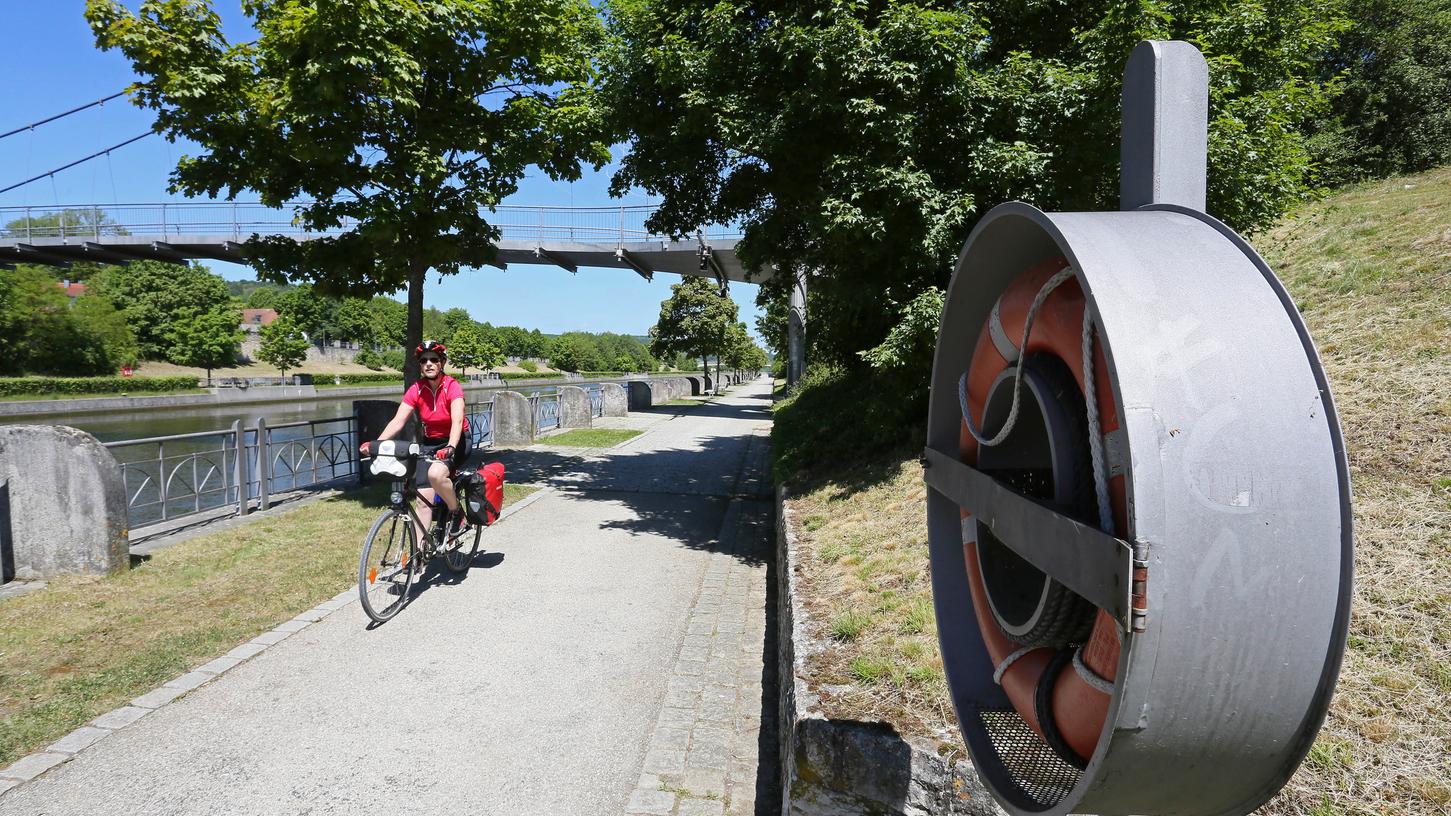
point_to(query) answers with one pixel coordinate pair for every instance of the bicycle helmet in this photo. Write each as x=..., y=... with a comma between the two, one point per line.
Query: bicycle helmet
x=435, y=346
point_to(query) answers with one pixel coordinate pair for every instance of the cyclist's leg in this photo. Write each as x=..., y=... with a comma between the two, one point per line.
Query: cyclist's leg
x=424, y=506
x=438, y=477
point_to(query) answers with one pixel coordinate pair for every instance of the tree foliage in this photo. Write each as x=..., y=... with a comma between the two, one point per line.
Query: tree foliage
x=40, y=333
x=863, y=140
x=156, y=296
x=209, y=340
x=696, y=320
x=408, y=120
x=468, y=348
x=283, y=345
x=1392, y=115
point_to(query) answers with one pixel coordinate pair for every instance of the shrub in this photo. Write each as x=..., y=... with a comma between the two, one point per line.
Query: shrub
x=369, y=379
x=836, y=412
x=392, y=358
x=26, y=386
x=369, y=358
x=545, y=375
x=528, y=365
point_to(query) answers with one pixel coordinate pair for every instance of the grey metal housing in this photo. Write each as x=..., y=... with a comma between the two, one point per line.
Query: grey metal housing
x=1238, y=490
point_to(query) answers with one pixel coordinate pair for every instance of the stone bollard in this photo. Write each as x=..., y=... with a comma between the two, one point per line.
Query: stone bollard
x=62, y=504
x=574, y=410
x=513, y=420
x=616, y=402
x=642, y=394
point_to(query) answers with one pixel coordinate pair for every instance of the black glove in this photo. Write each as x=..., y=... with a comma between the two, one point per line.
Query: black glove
x=444, y=453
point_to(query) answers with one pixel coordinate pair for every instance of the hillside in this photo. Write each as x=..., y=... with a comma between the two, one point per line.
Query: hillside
x=1370, y=268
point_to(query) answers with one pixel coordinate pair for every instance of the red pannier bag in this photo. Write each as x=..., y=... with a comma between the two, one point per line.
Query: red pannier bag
x=492, y=476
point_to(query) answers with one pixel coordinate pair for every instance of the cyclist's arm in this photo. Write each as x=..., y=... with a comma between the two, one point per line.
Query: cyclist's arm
x=456, y=423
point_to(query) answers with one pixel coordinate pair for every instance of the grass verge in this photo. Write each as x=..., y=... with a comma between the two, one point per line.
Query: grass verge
x=1370, y=269
x=591, y=437
x=107, y=395
x=83, y=646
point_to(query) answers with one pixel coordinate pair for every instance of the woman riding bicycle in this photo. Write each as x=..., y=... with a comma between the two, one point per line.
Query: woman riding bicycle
x=439, y=401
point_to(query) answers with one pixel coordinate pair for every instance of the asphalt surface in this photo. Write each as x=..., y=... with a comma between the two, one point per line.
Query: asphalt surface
x=529, y=686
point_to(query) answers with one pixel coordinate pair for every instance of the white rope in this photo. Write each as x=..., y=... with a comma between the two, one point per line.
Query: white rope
x=1095, y=431
x=1090, y=676
x=1048, y=287
x=1008, y=662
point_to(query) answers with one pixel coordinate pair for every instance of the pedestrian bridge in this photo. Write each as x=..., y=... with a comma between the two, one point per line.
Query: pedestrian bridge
x=567, y=237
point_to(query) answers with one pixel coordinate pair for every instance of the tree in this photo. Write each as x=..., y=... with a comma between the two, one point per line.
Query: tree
x=570, y=353
x=283, y=345
x=305, y=307
x=207, y=340
x=40, y=333
x=108, y=324
x=1391, y=116
x=468, y=349
x=407, y=120
x=263, y=297
x=353, y=322
x=864, y=140
x=696, y=319
x=155, y=295
x=389, y=321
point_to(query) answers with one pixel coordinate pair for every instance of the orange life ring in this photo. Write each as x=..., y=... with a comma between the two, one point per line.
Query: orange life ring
x=1077, y=697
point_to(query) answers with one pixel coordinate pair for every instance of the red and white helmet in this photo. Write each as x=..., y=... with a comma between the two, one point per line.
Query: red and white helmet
x=435, y=346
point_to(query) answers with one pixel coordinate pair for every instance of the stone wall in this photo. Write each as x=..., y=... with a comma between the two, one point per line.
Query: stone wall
x=574, y=409
x=513, y=420
x=641, y=393
x=64, y=504
x=845, y=767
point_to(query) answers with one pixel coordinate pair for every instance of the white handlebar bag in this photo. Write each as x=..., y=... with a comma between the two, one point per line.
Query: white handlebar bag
x=385, y=458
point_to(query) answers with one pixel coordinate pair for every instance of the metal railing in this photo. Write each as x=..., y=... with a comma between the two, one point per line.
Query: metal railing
x=238, y=221
x=544, y=408
x=481, y=422
x=596, y=401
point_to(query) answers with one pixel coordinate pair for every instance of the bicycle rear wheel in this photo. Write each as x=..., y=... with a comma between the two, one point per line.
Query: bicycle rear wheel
x=388, y=565
x=458, y=552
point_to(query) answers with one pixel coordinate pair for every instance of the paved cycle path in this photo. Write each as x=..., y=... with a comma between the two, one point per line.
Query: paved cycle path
x=605, y=655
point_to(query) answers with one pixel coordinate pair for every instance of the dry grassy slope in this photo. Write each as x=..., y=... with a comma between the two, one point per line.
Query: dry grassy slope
x=1370, y=268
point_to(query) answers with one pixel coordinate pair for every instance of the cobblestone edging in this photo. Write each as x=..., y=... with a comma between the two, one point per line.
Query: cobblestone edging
x=841, y=767
x=66, y=748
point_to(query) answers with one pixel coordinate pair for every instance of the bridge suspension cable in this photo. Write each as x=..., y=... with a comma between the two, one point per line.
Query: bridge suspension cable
x=95, y=155
x=103, y=100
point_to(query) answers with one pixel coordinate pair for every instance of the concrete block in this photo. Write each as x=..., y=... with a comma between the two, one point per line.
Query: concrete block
x=642, y=394
x=616, y=400
x=121, y=717
x=156, y=698
x=221, y=664
x=29, y=767
x=513, y=421
x=7, y=784
x=190, y=680
x=269, y=638
x=293, y=625
x=78, y=740
x=574, y=410
x=246, y=651
x=656, y=803
x=62, y=504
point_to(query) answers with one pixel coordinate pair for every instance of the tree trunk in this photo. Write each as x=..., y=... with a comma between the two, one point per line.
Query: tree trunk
x=417, y=272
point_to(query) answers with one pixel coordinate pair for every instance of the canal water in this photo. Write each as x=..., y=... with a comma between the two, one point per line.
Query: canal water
x=178, y=477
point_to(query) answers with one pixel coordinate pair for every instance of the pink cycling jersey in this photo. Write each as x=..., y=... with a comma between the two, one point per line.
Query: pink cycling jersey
x=431, y=404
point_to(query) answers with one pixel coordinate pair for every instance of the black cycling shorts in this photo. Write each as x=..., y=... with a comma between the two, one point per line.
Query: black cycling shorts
x=460, y=455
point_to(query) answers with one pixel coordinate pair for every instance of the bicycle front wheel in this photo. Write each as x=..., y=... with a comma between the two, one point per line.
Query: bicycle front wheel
x=388, y=566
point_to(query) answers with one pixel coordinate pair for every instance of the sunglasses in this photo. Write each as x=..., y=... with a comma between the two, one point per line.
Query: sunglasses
x=427, y=360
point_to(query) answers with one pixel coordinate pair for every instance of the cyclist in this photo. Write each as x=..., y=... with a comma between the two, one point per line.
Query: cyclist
x=439, y=401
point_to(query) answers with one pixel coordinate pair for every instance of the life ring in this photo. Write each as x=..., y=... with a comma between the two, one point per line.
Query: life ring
x=1061, y=691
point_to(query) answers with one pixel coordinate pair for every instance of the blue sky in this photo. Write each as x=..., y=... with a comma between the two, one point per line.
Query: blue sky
x=49, y=63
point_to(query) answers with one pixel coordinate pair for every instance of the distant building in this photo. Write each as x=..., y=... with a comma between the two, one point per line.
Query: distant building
x=254, y=319
x=73, y=289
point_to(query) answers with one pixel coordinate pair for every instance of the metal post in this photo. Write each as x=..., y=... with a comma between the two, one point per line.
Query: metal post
x=264, y=465
x=796, y=331
x=96, y=222
x=236, y=233
x=62, y=224
x=621, y=243
x=1164, y=146
x=161, y=476
x=163, y=232
x=27, y=225
x=239, y=439
x=355, y=443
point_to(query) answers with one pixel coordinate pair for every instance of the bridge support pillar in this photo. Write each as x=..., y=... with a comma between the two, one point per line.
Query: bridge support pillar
x=796, y=331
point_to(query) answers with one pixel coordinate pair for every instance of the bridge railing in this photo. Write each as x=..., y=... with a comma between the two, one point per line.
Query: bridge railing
x=238, y=221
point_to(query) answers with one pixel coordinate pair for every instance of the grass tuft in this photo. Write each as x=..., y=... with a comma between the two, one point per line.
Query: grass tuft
x=591, y=438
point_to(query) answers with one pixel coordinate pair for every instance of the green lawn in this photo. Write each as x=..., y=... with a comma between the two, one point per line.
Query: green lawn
x=83, y=646
x=109, y=395
x=591, y=437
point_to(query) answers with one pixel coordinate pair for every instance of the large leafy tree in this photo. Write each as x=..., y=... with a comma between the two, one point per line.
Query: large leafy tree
x=1392, y=115
x=283, y=345
x=405, y=121
x=156, y=296
x=696, y=320
x=209, y=339
x=863, y=140
x=468, y=348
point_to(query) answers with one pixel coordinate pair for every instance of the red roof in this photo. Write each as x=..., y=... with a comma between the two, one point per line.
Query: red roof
x=258, y=317
x=74, y=290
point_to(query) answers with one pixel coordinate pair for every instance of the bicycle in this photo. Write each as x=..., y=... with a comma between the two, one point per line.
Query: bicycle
x=392, y=557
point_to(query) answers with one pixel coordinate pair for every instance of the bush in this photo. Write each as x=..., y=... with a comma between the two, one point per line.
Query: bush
x=528, y=365
x=546, y=375
x=27, y=386
x=836, y=413
x=369, y=358
x=392, y=358
x=382, y=378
